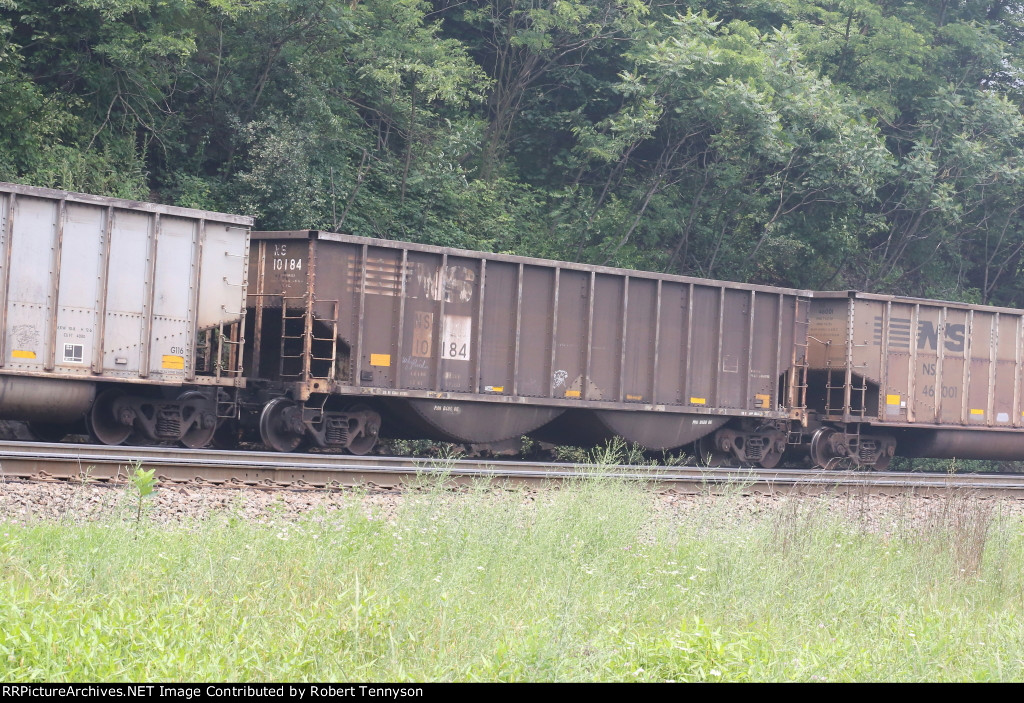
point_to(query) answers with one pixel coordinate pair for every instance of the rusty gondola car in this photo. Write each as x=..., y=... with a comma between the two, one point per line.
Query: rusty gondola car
x=124, y=314
x=918, y=378
x=347, y=333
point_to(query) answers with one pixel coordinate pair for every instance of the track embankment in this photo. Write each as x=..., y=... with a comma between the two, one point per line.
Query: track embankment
x=105, y=464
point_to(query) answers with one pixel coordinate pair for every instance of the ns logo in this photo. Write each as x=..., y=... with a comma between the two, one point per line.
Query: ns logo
x=953, y=335
x=928, y=336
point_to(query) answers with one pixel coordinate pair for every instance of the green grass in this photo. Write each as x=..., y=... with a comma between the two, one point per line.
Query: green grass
x=588, y=582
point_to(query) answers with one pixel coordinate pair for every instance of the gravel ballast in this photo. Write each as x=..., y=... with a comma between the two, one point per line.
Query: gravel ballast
x=32, y=501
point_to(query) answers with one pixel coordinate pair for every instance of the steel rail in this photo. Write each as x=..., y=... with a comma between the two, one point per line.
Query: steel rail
x=38, y=461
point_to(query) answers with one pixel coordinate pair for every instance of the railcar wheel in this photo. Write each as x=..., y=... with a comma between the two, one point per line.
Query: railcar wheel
x=367, y=439
x=708, y=453
x=827, y=451
x=281, y=425
x=201, y=433
x=882, y=462
x=48, y=431
x=884, y=450
x=110, y=420
x=771, y=459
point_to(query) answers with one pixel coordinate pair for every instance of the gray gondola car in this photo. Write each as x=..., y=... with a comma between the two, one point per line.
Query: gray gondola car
x=345, y=333
x=125, y=314
x=928, y=378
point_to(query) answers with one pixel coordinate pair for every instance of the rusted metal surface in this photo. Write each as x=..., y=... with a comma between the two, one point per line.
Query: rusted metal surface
x=479, y=347
x=926, y=370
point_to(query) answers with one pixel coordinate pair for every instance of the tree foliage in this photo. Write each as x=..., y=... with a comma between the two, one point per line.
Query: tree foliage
x=851, y=143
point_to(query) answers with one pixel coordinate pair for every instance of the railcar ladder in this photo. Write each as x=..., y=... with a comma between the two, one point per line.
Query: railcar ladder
x=332, y=341
x=299, y=338
x=798, y=371
x=211, y=345
x=798, y=382
x=231, y=343
x=830, y=386
x=227, y=404
x=840, y=388
x=801, y=329
x=314, y=407
x=303, y=361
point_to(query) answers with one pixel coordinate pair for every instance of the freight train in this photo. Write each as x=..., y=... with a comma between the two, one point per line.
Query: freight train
x=148, y=321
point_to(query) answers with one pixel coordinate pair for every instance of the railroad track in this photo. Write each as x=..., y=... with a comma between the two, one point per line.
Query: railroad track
x=36, y=461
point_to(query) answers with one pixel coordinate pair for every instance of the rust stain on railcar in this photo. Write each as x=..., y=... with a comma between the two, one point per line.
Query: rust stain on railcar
x=482, y=327
x=906, y=362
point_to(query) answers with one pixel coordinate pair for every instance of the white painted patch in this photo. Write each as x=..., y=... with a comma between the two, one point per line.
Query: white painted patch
x=456, y=335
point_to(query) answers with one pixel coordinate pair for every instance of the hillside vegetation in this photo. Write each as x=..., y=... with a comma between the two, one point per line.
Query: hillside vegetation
x=857, y=143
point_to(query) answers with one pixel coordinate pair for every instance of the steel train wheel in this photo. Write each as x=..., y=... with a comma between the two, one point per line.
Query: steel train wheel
x=708, y=453
x=281, y=425
x=829, y=450
x=368, y=439
x=882, y=462
x=885, y=450
x=770, y=459
x=821, y=449
x=109, y=422
x=197, y=436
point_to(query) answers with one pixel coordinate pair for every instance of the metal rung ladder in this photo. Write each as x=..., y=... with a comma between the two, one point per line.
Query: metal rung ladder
x=235, y=354
x=841, y=388
x=801, y=329
x=314, y=407
x=301, y=338
x=332, y=324
x=227, y=404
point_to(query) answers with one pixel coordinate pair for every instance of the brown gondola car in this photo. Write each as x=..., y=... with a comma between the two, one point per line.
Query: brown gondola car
x=927, y=378
x=348, y=337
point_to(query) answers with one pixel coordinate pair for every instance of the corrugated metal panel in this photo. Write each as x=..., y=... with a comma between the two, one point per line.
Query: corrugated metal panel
x=423, y=321
x=918, y=363
x=105, y=288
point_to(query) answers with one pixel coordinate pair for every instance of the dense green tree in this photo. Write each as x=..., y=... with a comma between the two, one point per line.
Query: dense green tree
x=738, y=158
x=47, y=135
x=940, y=78
x=848, y=143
